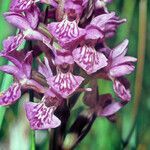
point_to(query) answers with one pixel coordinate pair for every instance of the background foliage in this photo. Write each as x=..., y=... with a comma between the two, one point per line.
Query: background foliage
x=14, y=130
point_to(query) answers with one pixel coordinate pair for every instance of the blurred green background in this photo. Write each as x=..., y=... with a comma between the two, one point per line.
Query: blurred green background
x=14, y=130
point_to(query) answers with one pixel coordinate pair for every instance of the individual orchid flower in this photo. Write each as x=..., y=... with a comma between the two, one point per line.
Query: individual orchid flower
x=103, y=105
x=41, y=115
x=119, y=64
x=105, y=24
x=21, y=71
x=108, y=106
x=64, y=83
x=89, y=59
x=67, y=33
x=27, y=24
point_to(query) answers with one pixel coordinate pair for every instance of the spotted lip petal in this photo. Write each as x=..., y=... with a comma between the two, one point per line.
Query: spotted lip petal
x=13, y=42
x=40, y=116
x=65, y=83
x=88, y=59
x=121, y=88
x=67, y=33
x=20, y=5
x=11, y=95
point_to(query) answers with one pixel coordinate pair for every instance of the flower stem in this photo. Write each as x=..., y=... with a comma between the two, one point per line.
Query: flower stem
x=32, y=132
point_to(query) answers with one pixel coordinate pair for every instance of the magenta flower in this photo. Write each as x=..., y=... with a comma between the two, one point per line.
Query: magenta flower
x=89, y=59
x=105, y=24
x=21, y=72
x=41, y=115
x=27, y=24
x=120, y=64
x=67, y=33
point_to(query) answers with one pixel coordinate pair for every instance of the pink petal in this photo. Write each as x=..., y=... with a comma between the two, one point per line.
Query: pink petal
x=123, y=60
x=67, y=33
x=50, y=2
x=93, y=33
x=65, y=83
x=20, y=5
x=120, y=50
x=11, y=95
x=13, y=42
x=40, y=116
x=13, y=70
x=121, y=90
x=32, y=16
x=121, y=70
x=111, y=109
x=27, y=64
x=18, y=20
x=88, y=59
x=44, y=68
x=101, y=20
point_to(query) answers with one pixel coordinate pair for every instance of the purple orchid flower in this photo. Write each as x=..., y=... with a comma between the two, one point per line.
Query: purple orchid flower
x=103, y=105
x=105, y=24
x=89, y=59
x=27, y=24
x=67, y=33
x=41, y=115
x=107, y=106
x=120, y=64
x=64, y=84
x=22, y=74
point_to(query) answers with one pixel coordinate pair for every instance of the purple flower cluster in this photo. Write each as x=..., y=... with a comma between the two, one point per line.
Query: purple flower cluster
x=72, y=34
